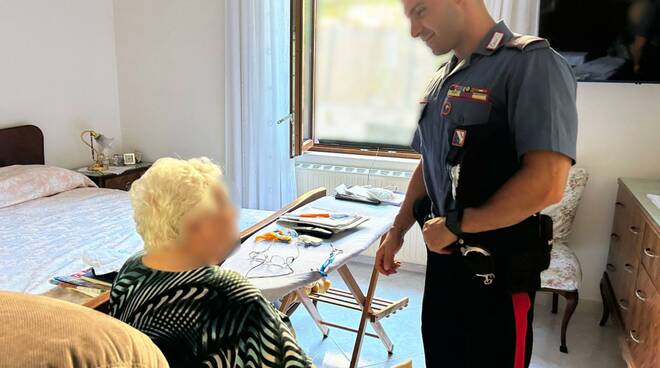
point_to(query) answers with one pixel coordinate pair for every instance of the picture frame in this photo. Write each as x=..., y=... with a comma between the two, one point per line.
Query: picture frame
x=129, y=159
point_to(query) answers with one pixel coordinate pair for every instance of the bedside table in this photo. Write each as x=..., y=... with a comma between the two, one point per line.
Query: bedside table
x=120, y=181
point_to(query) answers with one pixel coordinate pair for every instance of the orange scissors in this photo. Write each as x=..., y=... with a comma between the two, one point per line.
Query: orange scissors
x=315, y=215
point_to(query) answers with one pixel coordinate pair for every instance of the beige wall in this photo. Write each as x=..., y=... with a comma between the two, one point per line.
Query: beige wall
x=170, y=66
x=619, y=136
x=58, y=71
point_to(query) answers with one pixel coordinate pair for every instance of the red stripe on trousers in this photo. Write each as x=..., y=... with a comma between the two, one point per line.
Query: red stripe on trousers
x=521, y=305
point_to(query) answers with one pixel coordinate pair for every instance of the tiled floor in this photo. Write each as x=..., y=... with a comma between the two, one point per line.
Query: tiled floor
x=589, y=344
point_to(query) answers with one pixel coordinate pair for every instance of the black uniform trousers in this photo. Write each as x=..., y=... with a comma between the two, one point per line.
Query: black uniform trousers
x=464, y=322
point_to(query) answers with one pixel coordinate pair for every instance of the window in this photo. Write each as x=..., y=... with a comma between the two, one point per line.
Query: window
x=361, y=76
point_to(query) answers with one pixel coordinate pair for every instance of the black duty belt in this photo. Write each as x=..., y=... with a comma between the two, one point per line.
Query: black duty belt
x=481, y=159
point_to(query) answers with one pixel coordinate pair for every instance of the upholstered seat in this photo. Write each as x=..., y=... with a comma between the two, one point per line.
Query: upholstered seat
x=565, y=272
x=564, y=275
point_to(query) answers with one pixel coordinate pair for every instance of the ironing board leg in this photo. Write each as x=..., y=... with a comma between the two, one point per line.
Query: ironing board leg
x=380, y=331
x=311, y=308
x=365, y=301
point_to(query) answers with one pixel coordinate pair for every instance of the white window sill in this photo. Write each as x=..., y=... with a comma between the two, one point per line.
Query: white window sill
x=372, y=162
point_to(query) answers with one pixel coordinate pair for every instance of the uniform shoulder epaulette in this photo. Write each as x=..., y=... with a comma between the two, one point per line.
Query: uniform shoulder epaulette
x=527, y=43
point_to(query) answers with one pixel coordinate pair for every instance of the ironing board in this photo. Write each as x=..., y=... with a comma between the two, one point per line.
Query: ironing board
x=308, y=261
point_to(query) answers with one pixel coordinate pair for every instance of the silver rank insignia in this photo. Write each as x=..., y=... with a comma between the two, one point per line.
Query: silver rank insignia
x=454, y=174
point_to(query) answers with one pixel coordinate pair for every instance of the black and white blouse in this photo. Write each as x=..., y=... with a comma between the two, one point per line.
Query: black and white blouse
x=209, y=317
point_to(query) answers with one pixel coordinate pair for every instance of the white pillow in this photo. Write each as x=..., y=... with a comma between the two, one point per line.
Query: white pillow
x=22, y=183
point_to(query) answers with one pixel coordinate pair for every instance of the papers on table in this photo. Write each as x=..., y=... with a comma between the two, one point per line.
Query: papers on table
x=336, y=225
x=374, y=193
x=655, y=198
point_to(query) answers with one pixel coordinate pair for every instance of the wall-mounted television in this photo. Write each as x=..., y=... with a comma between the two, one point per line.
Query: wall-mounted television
x=605, y=40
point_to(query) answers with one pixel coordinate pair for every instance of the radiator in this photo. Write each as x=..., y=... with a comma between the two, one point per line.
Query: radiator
x=311, y=175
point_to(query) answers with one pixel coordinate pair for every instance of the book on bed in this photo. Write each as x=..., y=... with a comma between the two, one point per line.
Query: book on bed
x=86, y=282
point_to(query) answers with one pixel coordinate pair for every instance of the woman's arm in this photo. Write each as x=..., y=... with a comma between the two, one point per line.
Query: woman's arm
x=267, y=336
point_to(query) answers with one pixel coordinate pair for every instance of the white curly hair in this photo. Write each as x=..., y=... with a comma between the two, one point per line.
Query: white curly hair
x=168, y=194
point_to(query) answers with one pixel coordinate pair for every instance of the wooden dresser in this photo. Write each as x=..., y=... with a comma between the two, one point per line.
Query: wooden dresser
x=631, y=282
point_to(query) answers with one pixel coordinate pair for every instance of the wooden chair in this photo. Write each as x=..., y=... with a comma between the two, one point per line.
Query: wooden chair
x=564, y=275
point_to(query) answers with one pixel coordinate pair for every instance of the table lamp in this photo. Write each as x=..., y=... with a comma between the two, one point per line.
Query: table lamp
x=98, y=156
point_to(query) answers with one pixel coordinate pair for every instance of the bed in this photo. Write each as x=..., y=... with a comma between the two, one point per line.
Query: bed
x=59, y=226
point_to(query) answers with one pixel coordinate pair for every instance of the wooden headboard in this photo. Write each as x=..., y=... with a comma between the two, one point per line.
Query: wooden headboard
x=21, y=145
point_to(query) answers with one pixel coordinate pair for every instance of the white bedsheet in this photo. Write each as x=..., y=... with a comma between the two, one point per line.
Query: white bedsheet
x=70, y=231
x=55, y=236
x=49, y=236
x=310, y=259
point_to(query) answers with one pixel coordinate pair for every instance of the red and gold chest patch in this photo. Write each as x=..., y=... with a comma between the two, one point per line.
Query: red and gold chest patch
x=468, y=93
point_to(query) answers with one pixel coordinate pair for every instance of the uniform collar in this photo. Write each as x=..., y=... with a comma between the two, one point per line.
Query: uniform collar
x=495, y=39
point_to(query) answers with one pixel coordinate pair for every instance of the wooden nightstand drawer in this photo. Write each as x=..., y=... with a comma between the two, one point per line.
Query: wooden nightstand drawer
x=123, y=182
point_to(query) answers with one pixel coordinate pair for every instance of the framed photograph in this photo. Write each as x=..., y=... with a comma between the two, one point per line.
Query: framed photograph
x=129, y=158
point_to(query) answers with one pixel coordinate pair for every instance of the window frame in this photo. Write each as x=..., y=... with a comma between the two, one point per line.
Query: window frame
x=302, y=114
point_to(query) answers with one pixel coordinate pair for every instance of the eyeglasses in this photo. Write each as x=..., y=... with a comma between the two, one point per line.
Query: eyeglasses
x=275, y=265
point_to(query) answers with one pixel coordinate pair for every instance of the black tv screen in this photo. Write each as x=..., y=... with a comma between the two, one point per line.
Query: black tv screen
x=605, y=40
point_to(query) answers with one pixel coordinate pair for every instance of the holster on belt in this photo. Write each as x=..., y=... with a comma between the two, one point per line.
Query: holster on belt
x=481, y=163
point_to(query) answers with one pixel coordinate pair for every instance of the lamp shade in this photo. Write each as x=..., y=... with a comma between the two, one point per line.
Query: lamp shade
x=105, y=143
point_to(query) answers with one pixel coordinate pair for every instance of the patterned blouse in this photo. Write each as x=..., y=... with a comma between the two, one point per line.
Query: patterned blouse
x=207, y=317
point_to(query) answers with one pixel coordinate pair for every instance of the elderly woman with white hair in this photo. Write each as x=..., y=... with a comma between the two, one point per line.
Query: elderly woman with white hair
x=197, y=313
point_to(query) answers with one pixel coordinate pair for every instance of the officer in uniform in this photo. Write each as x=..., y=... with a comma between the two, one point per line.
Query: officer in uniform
x=497, y=135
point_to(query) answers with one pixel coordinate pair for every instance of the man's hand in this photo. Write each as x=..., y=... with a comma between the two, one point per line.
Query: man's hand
x=389, y=247
x=437, y=236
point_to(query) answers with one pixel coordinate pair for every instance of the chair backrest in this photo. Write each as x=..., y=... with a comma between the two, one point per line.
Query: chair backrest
x=406, y=364
x=563, y=213
x=38, y=331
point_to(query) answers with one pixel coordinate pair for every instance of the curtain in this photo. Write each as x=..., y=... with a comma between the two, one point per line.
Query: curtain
x=522, y=16
x=258, y=170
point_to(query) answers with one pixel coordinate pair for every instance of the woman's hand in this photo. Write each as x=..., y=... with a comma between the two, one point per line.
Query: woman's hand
x=437, y=236
x=389, y=247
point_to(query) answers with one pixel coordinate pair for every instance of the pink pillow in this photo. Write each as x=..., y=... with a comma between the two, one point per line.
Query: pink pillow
x=21, y=183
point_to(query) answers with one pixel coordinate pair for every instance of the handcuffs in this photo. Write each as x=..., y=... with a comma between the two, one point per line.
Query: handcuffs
x=477, y=258
x=486, y=264
x=480, y=266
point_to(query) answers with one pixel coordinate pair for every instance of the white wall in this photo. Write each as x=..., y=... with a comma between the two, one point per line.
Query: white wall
x=619, y=136
x=170, y=66
x=58, y=71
